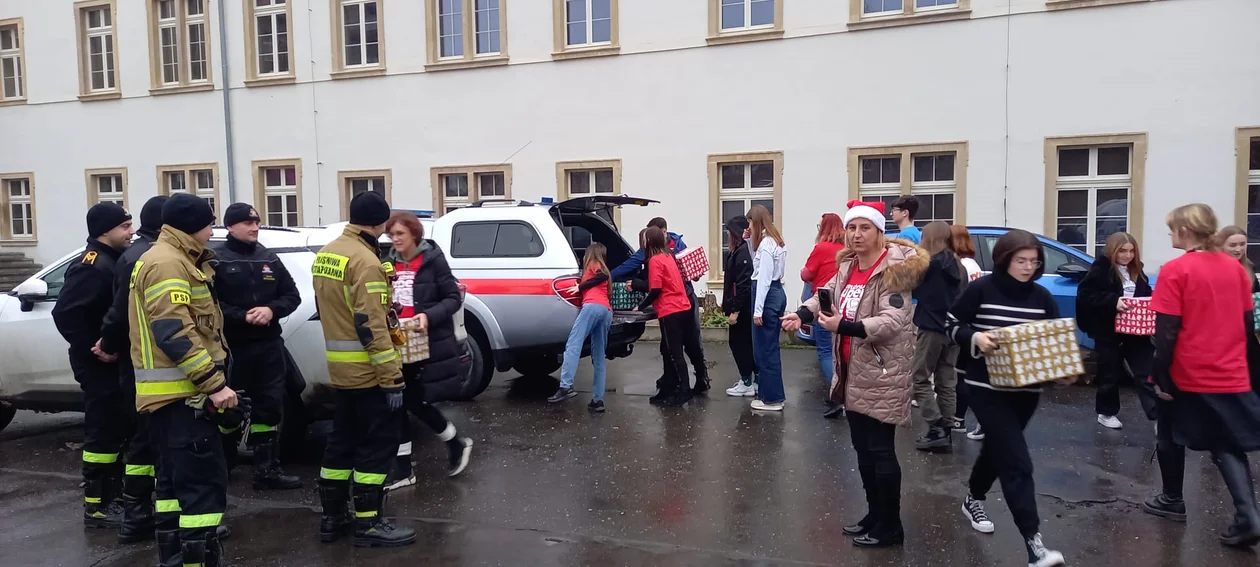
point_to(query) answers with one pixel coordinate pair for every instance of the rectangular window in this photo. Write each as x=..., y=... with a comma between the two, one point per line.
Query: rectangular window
x=1247, y=214
x=732, y=21
x=509, y=239
x=933, y=173
x=278, y=186
x=352, y=183
x=177, y=38
x=1094, y=188
x=97, y=39
x=107, y=185
x=268, y=41
x=359, y=43
x=17, y=206
x=200, y=179
x=588, y=22
x=738, y=182
x=12, y=61
x=460, y=186
x=466, y=33
x=883, y=13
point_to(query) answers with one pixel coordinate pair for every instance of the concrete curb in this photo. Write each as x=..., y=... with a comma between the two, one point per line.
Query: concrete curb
x=718, y=335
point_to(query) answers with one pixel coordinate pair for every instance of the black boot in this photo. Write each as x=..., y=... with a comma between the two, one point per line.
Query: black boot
x=702, y=381
x=223, y=532
x=1165, y=506
x=1245, y=531
x=99, y=509
x=137, y=507
x=334, y=495
x=194, y=553
x=871, y=518
x=374, y=530
x=887, y=531
x=267, y=472
x=214, y=550
x=937, y=438
x=1172, y=469
x=169, y=549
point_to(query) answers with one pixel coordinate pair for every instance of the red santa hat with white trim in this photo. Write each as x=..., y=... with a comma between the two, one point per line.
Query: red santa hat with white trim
x=873, y=211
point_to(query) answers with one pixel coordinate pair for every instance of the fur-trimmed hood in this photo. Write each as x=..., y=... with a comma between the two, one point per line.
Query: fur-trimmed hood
x=902, y=269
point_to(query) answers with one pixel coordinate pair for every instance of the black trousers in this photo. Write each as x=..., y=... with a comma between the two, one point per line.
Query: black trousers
x=1004, y=454
x=107, y=419
x=1114, y=350
x=964, y=399
x=364, y=439
x=414, y=401
x=1172, y=457
x=260, y=368
x=191, y=469
x=875, y=444
x=675, y=329
x=694, y=349
x=141, y=459
x=739, y=336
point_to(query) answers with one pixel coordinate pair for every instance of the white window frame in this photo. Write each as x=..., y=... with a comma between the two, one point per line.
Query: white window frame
x=468, y=32
x=118, y=194
x=376, y=178
x=262, y=191
x=498, y=189
x=748, y=25
x=885, y=12
x=590, y=24
x=273, y=11
x=591, y=175
x=1248, y=177
x=17, y=56
x=1092, y=183
x=109, y=49
x=459, y=34
x=889, y=192
x=7, y=200
x=452, y=202
x=165, y=24
x=477, y=31
x=932, y=188
x=921, y=9
x=192, y=176
x=747, y=194
x=909, y=13
x=472, y=174
x=284, y=191
x=343, y=41
x=886, y=191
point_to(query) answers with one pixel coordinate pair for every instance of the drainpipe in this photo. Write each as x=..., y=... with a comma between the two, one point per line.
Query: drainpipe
x=227, y=105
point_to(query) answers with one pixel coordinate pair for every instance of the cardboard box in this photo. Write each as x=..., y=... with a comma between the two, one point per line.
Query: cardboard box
x=695, y=263
x=1139, y=320
x=623, y=299
x=1034, y=353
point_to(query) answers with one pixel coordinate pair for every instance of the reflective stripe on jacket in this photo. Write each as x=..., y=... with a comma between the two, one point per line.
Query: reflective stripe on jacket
x=176, y=327
x=353, y=297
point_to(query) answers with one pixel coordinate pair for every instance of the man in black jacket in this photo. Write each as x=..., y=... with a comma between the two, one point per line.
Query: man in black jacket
x=80, y=308
x=255, y=292
x=141, y=459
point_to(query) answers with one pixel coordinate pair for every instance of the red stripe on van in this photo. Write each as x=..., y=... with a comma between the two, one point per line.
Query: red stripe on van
x=499, y=286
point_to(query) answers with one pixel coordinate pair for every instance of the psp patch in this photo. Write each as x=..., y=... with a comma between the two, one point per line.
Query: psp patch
x=180, y=298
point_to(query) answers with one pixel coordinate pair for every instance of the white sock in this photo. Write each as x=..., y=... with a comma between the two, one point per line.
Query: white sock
x=404, y=450
x=448, y=433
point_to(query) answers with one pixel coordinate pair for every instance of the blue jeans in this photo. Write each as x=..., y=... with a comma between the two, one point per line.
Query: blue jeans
x=766, y=345
x=592, y=321
x=822, y=343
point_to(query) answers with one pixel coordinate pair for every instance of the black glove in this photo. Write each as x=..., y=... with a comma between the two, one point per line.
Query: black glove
x=394, y=398
x=230, y=419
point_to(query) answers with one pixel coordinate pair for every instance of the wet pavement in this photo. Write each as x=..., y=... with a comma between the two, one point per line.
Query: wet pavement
x=710, y=484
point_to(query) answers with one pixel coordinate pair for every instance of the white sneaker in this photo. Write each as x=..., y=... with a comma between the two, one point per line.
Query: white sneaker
x=974, y=509
x=976, y=435
x=914, y=403
x=760, y=405
x=1039, y=556
x=1109, y=421
x=741, y=390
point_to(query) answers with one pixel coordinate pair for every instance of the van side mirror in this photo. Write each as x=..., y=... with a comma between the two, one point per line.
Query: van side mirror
x=31, y=292
x=1073, y=272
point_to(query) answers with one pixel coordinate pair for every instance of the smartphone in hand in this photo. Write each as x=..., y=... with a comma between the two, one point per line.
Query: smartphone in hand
x=824, y=301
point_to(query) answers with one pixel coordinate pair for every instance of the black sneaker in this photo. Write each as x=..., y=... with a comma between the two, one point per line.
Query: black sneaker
x=595, y=406
x=459, y=450
x=1039, y=556
x=561, y=395
x=960, y=425
x=400, y=474
x=834, y=411
x=937, y=438
x=660, y=398
x=1165, y=507
x=678, y=400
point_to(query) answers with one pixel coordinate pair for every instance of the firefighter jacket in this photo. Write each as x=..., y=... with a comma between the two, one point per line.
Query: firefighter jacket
x=177, y=343
x=248, y=275
x=85, y=297
x=352, y=295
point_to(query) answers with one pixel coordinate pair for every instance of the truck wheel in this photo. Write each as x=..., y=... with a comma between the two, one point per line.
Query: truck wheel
x=7, y=411
x=482, y=370
x=537, y=365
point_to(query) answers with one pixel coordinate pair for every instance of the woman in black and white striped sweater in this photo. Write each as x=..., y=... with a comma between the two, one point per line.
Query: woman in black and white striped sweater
x=1008, y=296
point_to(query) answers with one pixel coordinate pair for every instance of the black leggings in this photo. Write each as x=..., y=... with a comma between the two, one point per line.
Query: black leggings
x=674, y=331
x=414, y=402
x=739, y=336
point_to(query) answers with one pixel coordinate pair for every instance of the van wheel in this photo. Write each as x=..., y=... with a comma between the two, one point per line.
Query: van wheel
x=537, y=365
x=482, y=371
x=7, y=411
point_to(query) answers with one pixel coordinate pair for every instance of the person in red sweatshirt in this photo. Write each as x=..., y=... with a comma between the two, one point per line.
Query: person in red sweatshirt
x=667, y=296
x=819, y=268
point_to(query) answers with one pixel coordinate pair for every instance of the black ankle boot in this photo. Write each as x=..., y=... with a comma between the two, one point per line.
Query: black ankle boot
x=374, y=530
x=867, y=522
x=214, y=551
x=887, y=531
x=137, y=520
x=194, y=553
x=702, y=381
x=169, y=549
x=1245, y=531
x=334, y=495
x=1164, y=506
x=267, y=472
x=99, y=509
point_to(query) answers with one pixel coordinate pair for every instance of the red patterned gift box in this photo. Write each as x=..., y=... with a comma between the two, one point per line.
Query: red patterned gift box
x=695, y=262
x=1138, y=320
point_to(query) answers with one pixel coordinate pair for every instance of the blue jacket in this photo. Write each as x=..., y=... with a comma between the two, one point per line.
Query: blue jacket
x=634, y=263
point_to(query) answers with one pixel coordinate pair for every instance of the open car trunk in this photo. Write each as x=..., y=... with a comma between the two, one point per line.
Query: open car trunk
x=590, y=219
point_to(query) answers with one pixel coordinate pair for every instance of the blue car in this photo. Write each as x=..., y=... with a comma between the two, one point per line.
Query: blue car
x=1065, y=266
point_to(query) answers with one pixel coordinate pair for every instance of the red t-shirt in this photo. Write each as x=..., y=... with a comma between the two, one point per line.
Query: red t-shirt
x=1210, y=291
x=597, y=294
x=663, y=275
x=850, y=297
x=404, y=285
x=822, y=262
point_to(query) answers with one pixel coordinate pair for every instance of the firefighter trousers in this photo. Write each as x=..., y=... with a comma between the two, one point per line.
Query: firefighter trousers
x=140, y=471
x=363, y=442
x=107, y=425
x=192, y=473
x=260, y=368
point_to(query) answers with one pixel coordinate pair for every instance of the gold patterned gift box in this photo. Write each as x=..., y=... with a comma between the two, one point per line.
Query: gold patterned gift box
x=416, y=348
x=1033, y=353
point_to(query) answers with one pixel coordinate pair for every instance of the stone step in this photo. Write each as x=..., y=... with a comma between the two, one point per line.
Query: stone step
x=16, y=261
x=25, y=271
x=4, y=255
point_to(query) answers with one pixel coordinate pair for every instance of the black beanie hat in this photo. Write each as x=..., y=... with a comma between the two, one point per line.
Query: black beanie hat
x=368, y=209
x=151, y=213
x=104, y=217
x=187, y=213
x=239, y=212
x=737, y=225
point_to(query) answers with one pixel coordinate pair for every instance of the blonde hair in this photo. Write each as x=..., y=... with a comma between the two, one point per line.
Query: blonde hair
x=1117, y=241
x=1199, y=221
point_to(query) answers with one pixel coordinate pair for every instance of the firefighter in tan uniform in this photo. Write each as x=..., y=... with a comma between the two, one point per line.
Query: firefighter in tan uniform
x=178, y=353
x=352, y=294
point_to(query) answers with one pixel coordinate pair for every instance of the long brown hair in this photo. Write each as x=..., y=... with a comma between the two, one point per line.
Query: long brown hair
x=1233, y=230
x=761, y=220
x=597, y=254
x=1112, y=249
x=654, y=242
x=937, y=237
x=961, y=241
x=830, y=229
x=1199, y=221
